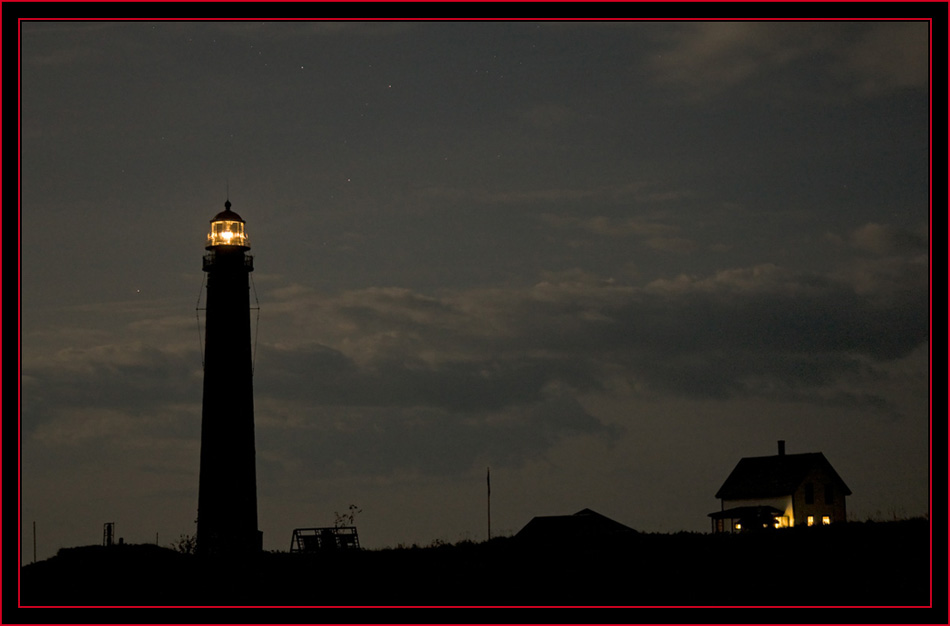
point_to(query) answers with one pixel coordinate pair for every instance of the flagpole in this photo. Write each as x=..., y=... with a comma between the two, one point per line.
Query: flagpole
x=488, y=481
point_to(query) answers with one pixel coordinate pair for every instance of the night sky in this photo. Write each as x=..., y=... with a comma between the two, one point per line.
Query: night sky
x=606, y=260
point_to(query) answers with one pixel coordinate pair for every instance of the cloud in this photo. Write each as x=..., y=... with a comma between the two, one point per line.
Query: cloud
x=887, y=57
x=654, y=233
x=738, y=332
x=672, y=244
x=716, y=57
x=883, y=239
x=367, y=441
x=892, y=266
x=710, y=59
x=93, y=405
x=407, y=382
x=611, y=226
x=435, y=381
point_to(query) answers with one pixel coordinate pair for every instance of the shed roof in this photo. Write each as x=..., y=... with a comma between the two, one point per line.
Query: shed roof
x=583, y=524
x=774, y=476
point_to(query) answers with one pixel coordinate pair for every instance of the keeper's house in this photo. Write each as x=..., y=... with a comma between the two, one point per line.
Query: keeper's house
x=780, y=491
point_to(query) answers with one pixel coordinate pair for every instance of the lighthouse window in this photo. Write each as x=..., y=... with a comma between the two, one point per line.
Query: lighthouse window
x=227, y=232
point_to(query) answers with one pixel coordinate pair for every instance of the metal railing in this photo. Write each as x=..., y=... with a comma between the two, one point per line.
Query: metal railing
x=324, y=539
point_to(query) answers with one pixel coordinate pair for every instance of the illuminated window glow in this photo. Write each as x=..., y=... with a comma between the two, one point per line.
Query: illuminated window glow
x=811, y=520
x=825, y=520
x=227, y=233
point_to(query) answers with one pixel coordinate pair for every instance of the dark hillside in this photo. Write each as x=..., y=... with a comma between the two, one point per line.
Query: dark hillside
x=855, y=564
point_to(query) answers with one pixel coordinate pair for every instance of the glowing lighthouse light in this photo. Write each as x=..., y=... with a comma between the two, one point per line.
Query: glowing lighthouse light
x=227, y=229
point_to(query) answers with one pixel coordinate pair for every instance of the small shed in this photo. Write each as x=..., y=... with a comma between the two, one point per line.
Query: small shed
x=581, y=528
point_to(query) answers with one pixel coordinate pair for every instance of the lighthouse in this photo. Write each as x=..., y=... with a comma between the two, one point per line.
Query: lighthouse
x=227, y=483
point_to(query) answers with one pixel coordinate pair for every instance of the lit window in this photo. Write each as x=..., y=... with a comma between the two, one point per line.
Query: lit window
x=825, y=520
x=227, y=232
x=811, y=520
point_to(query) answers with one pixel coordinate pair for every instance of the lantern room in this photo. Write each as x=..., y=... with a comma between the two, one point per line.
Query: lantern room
x=227, y=229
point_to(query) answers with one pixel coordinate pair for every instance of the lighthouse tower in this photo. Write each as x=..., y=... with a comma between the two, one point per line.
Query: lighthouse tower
x=227, y=484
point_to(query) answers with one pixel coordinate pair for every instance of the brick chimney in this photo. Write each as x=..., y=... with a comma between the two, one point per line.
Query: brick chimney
x=781, y=447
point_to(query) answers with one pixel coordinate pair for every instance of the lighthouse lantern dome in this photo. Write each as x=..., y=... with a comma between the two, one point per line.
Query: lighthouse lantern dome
x=227, y=229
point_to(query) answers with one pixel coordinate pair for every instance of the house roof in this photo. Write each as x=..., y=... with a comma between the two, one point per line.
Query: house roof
x=774, y=476
x=583, y=524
